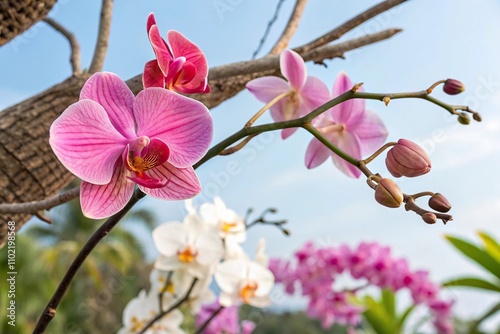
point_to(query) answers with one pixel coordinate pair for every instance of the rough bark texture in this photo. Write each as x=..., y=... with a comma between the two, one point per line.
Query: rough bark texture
x=16, y=16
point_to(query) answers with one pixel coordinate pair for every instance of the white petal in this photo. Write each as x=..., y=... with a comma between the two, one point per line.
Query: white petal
x=229, y=274
x=169, y=238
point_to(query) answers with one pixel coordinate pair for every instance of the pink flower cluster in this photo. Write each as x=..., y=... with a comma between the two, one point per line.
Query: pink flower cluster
x=317, y=270
x=226, y=321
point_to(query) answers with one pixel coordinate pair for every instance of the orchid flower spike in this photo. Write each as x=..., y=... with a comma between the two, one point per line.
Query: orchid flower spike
x=349, y=126
x=180, y=66
x=113, y=140
x=304, y=93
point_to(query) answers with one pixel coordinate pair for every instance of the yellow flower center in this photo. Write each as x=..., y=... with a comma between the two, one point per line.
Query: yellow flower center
x=139, y=165
x=248, y=291
x=227, y=226
x=187, y=255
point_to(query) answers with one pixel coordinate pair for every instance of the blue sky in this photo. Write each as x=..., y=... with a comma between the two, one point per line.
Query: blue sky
x=441, y=39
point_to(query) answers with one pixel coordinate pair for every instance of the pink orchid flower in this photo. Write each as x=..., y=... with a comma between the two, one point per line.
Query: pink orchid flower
x=180, y=66
x=349, y=126
x=306, y=93
x=113, y=140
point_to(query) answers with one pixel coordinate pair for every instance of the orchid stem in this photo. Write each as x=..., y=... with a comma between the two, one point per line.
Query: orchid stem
x=266, y=107
x=378, y=152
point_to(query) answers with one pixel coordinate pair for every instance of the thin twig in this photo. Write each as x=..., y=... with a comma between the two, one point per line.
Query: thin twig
x=46, y=204
x=50, y=310
x=237, y=147
x=268, y=28
x=75, y=57
x=290, y=29
x=349, y=25
x=207, y=322
x=171, y=308
x=319, y=54
x=103, y=37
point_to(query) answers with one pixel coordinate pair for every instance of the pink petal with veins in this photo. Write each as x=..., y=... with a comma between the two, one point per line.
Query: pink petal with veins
x=152, y=75
x=184, y=124
x=115, y=97
x=371, y=132
x=181, y=46
x=101, y=201
x=350, y=144
x=182, y=183
x=161, y=49
x=86, y=142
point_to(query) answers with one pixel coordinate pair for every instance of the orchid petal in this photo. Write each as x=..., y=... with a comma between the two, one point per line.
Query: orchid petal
x=285, y=133
x=371, y=132
x=181, y=46
x=314, y=94
x=186, y=74
x=230, y=273
x=350, y=111
x=350, y=144
x=182, y=182
x=152, y=75
x=101, y=201
x=184, y=124
x=150, y=22
x=210, y=249
x=293, y=68
x=160, y=48
x=169, y=238
x=263, y=276
x=115, y=97
x=267, y=88
x=316, y=153
x=86, y=142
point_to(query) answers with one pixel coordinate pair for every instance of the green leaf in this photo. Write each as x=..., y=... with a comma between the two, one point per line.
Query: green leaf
x=402, y=318
x=473, y=282
x=377, y=316
x=492, y=247
x=478, y=255
x=389, y=302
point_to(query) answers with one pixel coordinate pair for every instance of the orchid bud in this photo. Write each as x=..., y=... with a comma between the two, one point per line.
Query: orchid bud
x=439, y=203
x=407, y=159
x=477, y=117
x=453, y=87
x=463, y=118
x=429, y=218
x=388, y=193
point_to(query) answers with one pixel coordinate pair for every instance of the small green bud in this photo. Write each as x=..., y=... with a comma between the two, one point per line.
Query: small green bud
x=477, y=117
x=388, y=193
x=463, y=118
x=439, y=203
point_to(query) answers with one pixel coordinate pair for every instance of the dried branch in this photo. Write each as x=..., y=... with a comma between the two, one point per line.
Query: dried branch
x=103, y=36
x=46, y=204
x=290, y=29
x=73, y=43
x=268, y=28
x=349, y=25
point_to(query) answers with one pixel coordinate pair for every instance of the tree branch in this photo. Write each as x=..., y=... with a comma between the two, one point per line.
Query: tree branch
x=73, y=43
x=290, y=29
x=46, y=204
x=268, y=28
x=349, y=25
x=103, y=36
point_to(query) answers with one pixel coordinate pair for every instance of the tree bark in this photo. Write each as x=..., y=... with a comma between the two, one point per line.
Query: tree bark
x=16, y=16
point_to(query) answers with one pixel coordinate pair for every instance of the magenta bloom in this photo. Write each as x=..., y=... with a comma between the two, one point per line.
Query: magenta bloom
x=350, y=127
x=113, y=140
x=307, y=93
x=180, y=66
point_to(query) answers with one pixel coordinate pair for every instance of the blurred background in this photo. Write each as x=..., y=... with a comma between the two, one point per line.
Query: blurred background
x=441, y=39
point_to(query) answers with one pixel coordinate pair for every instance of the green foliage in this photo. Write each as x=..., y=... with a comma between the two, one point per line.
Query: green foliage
x=487, y=256
x=111, y=276
x=382, y=316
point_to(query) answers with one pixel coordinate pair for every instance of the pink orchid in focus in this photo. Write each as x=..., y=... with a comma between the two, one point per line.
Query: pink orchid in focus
x=180, y=66
x=113, y=140
x=349, y=126
x=306, y=93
